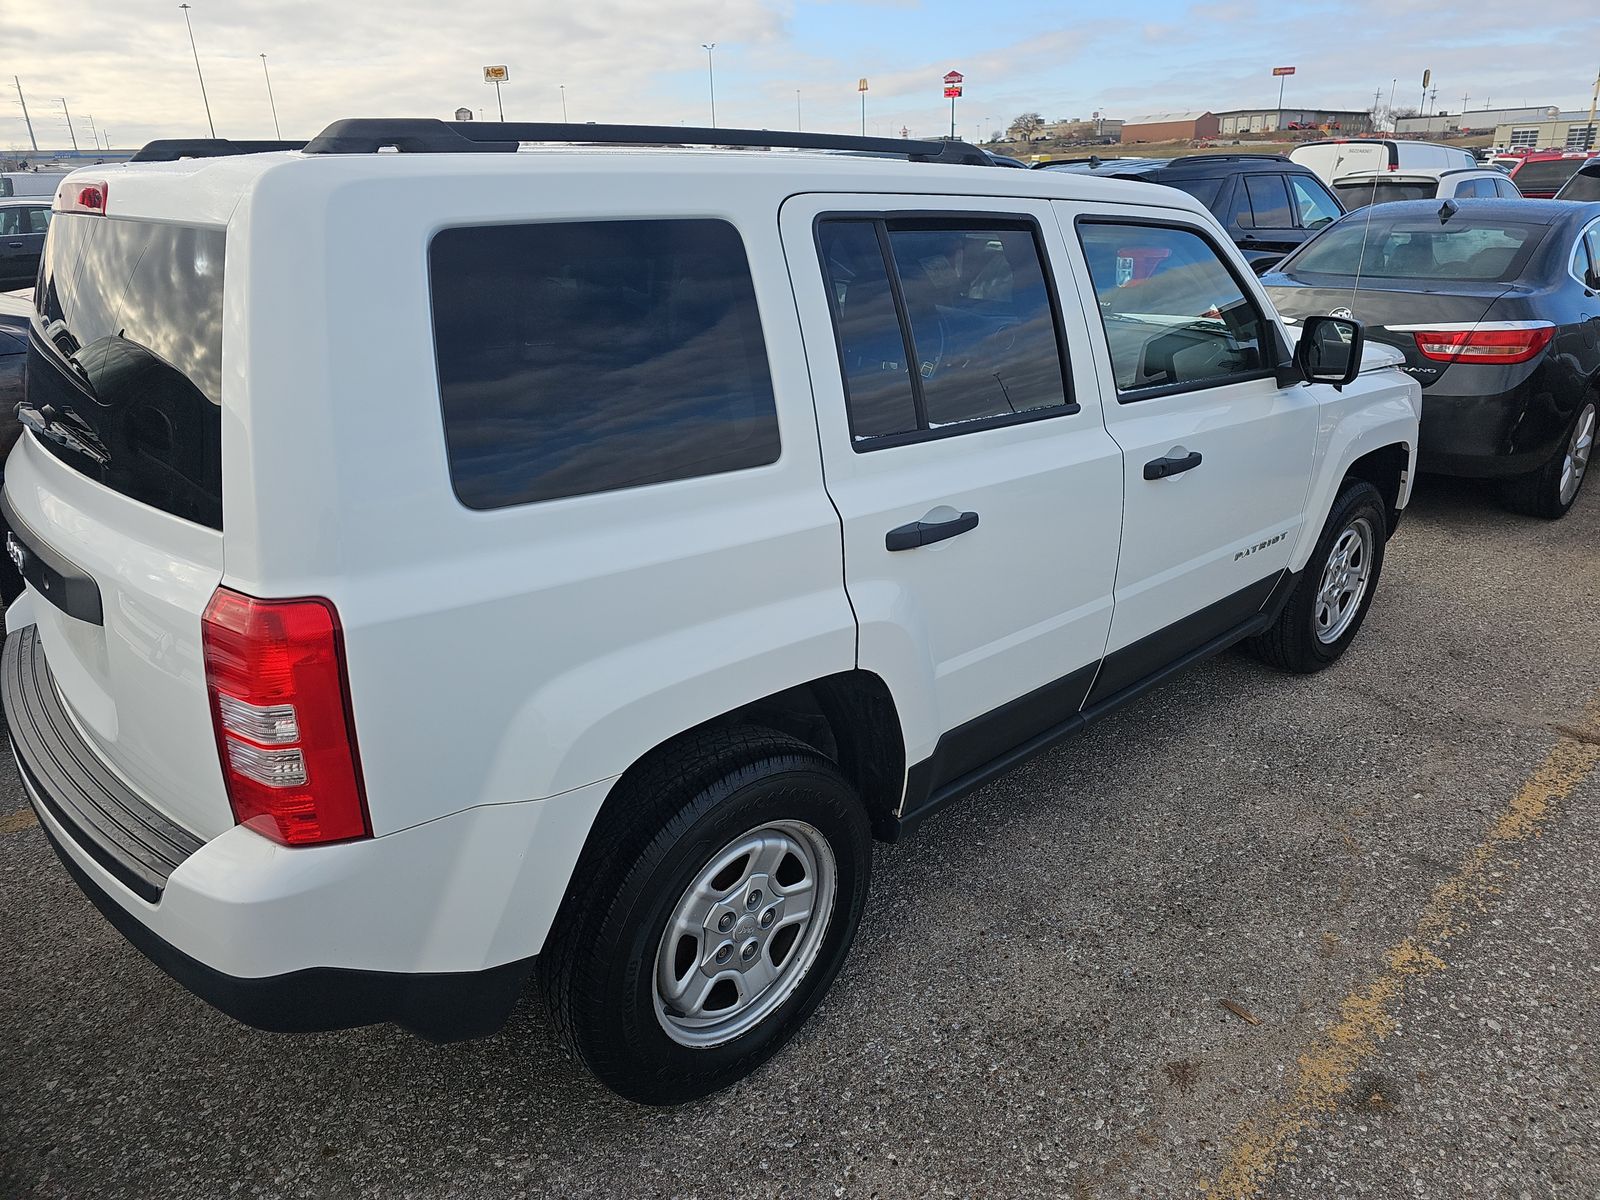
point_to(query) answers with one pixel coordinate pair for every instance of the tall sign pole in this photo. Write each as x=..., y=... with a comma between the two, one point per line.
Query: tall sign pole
x=952, y=89
x=861, y=86
x=1283, y=74
x=497, y=76
x=28, y=121
x=1427, y=78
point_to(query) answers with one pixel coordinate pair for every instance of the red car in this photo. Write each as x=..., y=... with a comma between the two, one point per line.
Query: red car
x=1540, y=175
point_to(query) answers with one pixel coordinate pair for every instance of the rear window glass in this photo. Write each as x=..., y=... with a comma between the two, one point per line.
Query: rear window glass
x=1269, y=201
x=1382, y=247
x=1203, y=190
x=1546, y=176
x=1362, y=192
x=587, y=356
x=125, y=361
x=1585, y=186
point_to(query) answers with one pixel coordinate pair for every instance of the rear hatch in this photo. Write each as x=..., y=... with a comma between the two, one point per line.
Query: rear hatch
x=120, y=480
x=1402, y=268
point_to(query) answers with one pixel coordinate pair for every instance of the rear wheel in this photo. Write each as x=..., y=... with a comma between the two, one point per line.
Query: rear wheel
x=715, y=905
x=1331, y=599
x=1551, y=490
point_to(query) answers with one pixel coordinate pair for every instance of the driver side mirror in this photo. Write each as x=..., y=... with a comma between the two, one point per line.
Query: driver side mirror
x=1330, y=350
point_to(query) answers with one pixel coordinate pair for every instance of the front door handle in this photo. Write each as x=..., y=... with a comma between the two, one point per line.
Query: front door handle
x=924, y=533
x=14, y=245
x=1160, y=468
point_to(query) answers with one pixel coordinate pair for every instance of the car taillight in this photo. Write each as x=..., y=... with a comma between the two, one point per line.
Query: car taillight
x=1507, y=343
x=280, y=703
x=75, y=197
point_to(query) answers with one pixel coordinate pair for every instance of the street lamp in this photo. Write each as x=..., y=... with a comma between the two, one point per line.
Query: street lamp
x=711, y=77
x=203, y=97
x=563, y=88
x=66, y=112
x=270, y=100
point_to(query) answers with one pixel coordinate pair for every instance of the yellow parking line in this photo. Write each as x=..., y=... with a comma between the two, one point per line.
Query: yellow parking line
x=17, y=821
x=1325, y=1070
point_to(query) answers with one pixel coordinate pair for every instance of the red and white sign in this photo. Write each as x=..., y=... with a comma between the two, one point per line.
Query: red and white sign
x=1283, y=70
x=953, y=77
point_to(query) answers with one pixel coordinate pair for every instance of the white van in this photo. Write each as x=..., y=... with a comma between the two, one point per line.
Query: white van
x=1338, y=157
x=463, y=568
x=29, y=183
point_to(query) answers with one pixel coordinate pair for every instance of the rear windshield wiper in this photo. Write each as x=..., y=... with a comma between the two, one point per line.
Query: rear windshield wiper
x=48, y=422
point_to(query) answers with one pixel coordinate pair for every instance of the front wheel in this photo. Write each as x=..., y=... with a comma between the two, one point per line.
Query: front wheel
x=1330, y=601
x=718, y=903
x=1551, y=490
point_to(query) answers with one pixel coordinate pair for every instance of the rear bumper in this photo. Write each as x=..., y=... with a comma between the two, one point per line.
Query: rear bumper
x=1496, y=436
x=432, y=927
x=439, y=1007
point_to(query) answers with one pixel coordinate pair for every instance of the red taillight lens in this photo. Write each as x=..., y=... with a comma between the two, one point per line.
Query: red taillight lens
x=280, y=702
x=1484, y=345
x=75, y=197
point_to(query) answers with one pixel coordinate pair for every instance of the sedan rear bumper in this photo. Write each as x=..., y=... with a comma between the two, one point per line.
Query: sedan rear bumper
x=1496, y=436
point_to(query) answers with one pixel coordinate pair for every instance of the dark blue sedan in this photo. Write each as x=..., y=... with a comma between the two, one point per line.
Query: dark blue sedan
x=1496, y=306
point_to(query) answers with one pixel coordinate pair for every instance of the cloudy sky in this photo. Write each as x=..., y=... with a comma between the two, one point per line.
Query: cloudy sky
x=127, y=65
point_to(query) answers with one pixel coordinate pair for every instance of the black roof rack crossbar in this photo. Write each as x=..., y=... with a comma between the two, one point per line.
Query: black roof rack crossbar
x=1191, y=158
x=421, y=135
x=172, y=149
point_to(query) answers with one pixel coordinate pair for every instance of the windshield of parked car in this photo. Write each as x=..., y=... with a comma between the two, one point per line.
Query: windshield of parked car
x=1585, y=185
x=1419, y=247
x=1358, y=193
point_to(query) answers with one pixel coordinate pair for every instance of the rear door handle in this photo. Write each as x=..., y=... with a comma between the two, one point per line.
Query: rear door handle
x=924, y=533
x=1160, y=468
x=14, y=245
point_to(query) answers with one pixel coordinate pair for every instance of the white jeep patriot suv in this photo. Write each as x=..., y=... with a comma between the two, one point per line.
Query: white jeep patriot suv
x=455, y=568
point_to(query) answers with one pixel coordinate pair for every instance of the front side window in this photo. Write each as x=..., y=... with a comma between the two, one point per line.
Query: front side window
x=1173, y=312
x=1269, y=202
x=943, y=324
x=587, y=356
x=1313, y=203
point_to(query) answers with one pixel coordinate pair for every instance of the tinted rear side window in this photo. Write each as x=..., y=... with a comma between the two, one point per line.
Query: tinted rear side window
x=1269, y=201
x=581, y=357
x=1203, y=190
x=126, y=359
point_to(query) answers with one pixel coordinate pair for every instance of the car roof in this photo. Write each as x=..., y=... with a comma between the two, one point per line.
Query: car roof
x=1189, y=164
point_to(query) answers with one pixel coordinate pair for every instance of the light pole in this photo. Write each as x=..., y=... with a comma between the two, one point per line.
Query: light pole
x=93, y=132
x=62, y=100
x=711, y=78
x=270, y=100
x=1392, y=82
x=563, y=88
x=204, y=99
x=26, y=119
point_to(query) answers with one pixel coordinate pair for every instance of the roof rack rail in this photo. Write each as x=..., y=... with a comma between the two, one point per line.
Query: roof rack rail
x=172, y=149
x=1229, y=157
x=422, y=135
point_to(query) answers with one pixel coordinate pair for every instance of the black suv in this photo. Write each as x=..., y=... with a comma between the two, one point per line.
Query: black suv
x=1267, y=204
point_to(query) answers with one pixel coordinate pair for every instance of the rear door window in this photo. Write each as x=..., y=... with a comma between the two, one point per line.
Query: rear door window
x=125, y=360
x=944, y=325
x=587, y=356
x=1269, y=202
x=1313, y=203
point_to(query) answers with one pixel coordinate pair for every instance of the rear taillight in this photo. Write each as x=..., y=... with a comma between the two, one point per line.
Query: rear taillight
x=75, y=197
x=1506, y=342
x=280, y=702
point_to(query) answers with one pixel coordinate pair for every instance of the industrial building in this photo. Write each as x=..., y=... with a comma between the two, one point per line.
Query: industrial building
x=1169, y=127
x=1473, y=120
x=1564, y=131
x=1267, y=120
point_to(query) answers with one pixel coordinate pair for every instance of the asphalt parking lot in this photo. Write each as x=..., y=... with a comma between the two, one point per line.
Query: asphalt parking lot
x=1389, y=870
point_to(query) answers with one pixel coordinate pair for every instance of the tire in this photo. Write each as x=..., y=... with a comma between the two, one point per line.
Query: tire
x=1552, y=490
x=680, y=816
x=1311, y=633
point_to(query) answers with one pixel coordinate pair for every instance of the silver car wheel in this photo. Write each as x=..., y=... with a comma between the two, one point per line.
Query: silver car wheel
x=1344, y=581
x=1576, y=461
x=744, y=933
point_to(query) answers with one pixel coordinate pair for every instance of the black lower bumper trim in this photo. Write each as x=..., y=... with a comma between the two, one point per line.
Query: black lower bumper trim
x=442, y=1007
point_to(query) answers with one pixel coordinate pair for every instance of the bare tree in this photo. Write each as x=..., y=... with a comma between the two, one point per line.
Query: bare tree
x=1025, y=126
